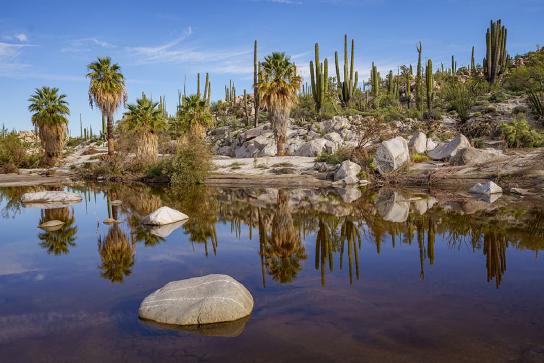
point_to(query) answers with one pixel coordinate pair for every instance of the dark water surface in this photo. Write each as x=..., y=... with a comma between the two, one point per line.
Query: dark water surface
x=336, y=276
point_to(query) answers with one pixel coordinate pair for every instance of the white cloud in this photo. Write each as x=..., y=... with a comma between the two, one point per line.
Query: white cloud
x=86, y=45
x=22, y=37
x=9, y=57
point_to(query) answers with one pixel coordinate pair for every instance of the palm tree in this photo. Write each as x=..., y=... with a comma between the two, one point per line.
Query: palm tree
x=194, y=116
x=106, y=90
x=49, y=110
x=145, y=119
x=278, y=91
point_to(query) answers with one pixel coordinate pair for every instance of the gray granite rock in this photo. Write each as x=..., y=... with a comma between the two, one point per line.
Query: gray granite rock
x=201, y=300
x=449, y=149
x=392, y=154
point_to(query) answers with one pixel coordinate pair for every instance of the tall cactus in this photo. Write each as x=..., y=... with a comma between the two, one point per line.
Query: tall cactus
x=319, y=74
x=390, y=83
x=198, y=85
x=419, y=80
x=472, y=62
x=375, y=81
x=429, y=85
x=409, y=76
x=496, y=57
x=346, y=88
x=453, y=66
x=256, y=73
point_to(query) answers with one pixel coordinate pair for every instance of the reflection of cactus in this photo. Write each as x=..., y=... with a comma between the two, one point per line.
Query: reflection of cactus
x=350, y=234
x=323, y=250
x=496, y=57
x=495, y=253
x=320, y=79
x=346, y=88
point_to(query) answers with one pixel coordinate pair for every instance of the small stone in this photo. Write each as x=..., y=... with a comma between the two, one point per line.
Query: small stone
x=116, y=202
x=418, y=142
x=52, y=225
x=519, y=191
x=486, y=188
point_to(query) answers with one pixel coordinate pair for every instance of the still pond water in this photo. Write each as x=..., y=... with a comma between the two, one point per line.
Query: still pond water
x=346, y=276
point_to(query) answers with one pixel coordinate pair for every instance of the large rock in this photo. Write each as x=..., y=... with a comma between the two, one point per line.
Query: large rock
x=418, y=142
x=486, y=188
x=50, y=199
x=347, y=172
x=337, y=123
x=449, y=149
x=392, y=154
x=164, y=215
x=334, y=137
x=312, y=148
x=197, y=301
x=475, y=156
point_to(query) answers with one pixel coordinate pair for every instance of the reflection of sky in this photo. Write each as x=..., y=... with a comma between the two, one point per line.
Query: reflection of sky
x=44, y=295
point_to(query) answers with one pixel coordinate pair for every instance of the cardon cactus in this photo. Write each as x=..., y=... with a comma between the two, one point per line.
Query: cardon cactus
x=346, y=88
x=429, y=85
x=496, y=58
x=319, y=74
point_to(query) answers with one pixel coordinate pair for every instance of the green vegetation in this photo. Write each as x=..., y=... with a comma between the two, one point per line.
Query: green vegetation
x=106, y=90
x=278, y=91
x=191, y=163
x=519, y=133
x=14, y=154
x=49, y=114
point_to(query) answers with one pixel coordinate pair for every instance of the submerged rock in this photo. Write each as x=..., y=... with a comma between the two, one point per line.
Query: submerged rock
x=486, y=188
x=392, y=154
x=201, y=300
x=164, y=215
x=449, y=149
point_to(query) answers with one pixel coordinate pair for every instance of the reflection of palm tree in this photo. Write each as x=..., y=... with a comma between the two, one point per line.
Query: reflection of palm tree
x=350, y=234
x=59, y=241
x=117, y=254
x=284, y=250
x=495, y=253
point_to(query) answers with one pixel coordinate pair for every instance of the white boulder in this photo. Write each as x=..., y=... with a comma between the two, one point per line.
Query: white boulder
x=486, y=188
x=431, y=145
x=392, y=154
x=347, y=172
x=449, y=149
x=164, y=215
x=197, y=301
x=312, y=148
x=418, y=142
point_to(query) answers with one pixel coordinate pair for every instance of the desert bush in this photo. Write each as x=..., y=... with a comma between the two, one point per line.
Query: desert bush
x=536, y=102
x=419, y=158
x=342, y=154
x=519, y=133
x=461, y=96
x=528, y=76
x=13, y=154
x=191, y=163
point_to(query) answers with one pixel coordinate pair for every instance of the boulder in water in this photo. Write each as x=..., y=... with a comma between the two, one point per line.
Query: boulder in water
x=164, y=215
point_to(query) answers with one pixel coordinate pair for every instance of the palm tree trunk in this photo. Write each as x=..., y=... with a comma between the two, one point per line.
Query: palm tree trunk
x=279, y=119
x=111, y=148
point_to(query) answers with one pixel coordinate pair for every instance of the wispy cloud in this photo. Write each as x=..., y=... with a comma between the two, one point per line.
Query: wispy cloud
x=86, y=45
x=177, y=51
x=9, y=57
x=22, y=37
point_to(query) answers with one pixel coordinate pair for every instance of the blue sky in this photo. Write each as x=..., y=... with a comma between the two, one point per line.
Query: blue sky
x=159, y=43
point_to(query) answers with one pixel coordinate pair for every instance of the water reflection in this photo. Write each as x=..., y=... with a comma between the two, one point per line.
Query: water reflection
x=291, y=224
x=58, y=240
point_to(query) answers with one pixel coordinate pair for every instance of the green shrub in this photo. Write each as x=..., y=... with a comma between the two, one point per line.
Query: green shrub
x=461, y=96
x=419, y=158
x=337, y=157
x=191, y=163
x=13, y=154
x=536, y=101
x=528, y=76
x=519, y=133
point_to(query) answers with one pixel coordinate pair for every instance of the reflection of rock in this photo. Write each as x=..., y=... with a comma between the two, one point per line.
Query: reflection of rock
x=349, y=194
x=197, y=301
x=50, y=199
x=393, y=207
x=51, y=226
x=164, y=215
x=230, y=329
x=423, y=205
x=166, y=230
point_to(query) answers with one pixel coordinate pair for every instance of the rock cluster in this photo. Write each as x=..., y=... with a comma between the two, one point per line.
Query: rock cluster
x=325, y=136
